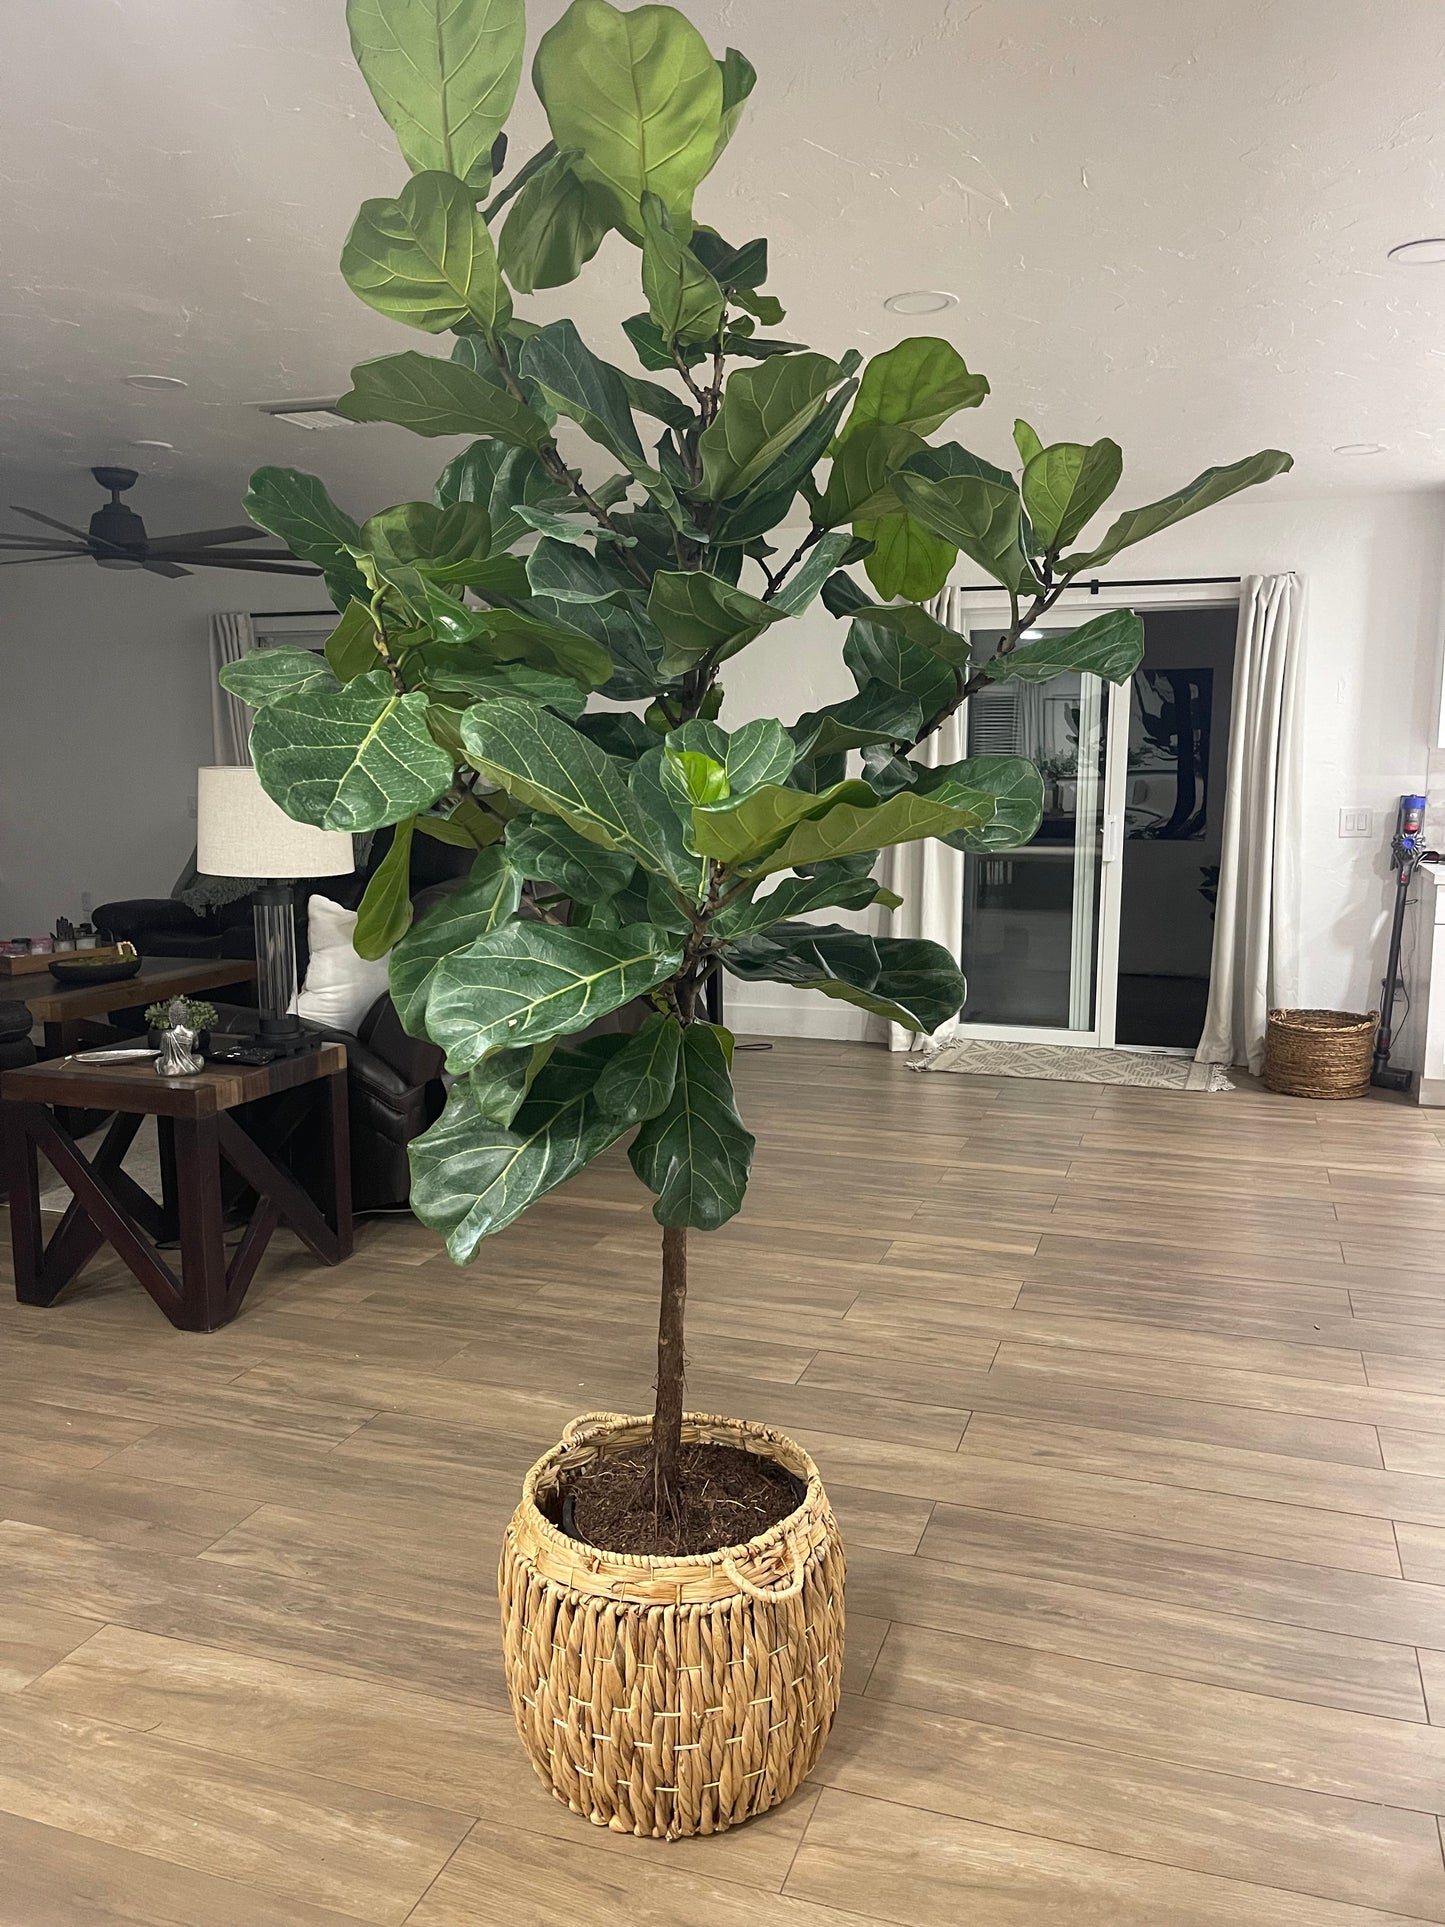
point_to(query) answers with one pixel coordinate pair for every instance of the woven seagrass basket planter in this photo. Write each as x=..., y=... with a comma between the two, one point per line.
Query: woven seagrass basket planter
x=1319, y=1053
x=672, y=1696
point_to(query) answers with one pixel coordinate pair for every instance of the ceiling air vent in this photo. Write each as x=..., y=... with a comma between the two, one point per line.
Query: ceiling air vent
x=305, y=414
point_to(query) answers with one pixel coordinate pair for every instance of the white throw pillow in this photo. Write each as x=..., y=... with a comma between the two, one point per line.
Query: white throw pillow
x=340, y=987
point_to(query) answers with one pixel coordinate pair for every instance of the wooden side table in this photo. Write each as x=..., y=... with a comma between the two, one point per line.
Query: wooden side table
x=66, y=1010
x=108, y=1206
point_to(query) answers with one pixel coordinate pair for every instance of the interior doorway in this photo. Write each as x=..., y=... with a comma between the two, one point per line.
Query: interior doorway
x=1100, y=931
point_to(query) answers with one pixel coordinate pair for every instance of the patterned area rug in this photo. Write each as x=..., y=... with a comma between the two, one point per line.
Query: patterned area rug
x=979, y=1057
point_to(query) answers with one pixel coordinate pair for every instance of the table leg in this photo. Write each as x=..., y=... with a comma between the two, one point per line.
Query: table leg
x=22, y=1175
x=337, y=1156
x=203, y=1252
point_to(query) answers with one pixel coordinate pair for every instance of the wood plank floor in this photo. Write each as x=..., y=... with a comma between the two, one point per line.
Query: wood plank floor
x=1132, y=1404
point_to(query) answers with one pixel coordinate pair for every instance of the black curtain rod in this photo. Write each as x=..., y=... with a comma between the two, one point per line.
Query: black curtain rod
x=258, y=615
x=1136, y=582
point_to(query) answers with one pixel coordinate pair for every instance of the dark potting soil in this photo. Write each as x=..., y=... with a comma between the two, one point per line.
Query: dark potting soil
x=723, y=1497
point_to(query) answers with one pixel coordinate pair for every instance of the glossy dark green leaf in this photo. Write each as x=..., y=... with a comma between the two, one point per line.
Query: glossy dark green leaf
x=640, y=96
x=843, y=828
x=550, y=766
x=297, y=508
x=859, y=482
x=981, y=518
x=1214, y=485
x=951, y=459
x=444, y=74
x=527, y=981
x=435, y=397
x=878, y=654
x=464, y=825
x=500, y=1083
x=918, y=384
x=384, y=915
x=638, y=1082
x=553, y=228
x=622, y=628
x=830, y=886
x=423, y=535
x=427, y=259
x=695, y=1154
x=589, y=390
x=682, y=297
x=652, y=351
x=907, y=980
x=266, y=675
x=501, y=479
x=764, y=410
x=489, y=897
x=471, y=1177
x=354, y=759
x=762, y=506
x=542, y=848
x=351, y=646
x=877, y=714
x=1017, y=790
x=801, y=587
x=475, y=673
x=913, y=626
x=698, y=616
x=1065, y=485
x=667, y=825
x=842, y=596
x=1111, y=646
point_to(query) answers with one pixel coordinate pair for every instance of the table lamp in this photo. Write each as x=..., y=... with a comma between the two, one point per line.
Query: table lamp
x=240, y=832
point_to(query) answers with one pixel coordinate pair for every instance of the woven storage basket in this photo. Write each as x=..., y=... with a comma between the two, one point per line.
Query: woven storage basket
x=1319, y=1053
x=672, y=1696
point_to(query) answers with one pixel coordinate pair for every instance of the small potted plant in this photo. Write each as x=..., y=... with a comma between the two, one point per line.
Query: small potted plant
x=672, y=1582
x=200, y=1017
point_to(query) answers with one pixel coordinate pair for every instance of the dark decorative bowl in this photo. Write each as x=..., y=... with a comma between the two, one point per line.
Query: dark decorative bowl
x=76, y=970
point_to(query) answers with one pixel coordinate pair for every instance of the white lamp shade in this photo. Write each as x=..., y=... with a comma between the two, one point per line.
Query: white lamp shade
x=240, y=832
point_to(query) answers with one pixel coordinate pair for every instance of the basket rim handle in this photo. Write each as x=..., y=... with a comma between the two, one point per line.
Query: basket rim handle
x=770, y=1594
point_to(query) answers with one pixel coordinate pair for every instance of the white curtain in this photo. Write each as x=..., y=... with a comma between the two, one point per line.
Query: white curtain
x=928, y=875
x=232, y=636
x=1256, y=920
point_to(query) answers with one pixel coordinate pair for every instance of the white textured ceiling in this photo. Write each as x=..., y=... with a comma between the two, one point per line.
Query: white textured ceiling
x=1163, y=221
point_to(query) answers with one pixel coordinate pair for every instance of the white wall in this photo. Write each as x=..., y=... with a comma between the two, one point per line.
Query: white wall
x=105, y=716
x=1373, y=567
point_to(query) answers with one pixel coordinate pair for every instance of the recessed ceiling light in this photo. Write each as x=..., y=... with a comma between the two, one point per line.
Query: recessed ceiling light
x=306, y=414
x=154, y=381
x=1426, y=253
x=145, y=442
x=920, y=301
x=1359, y=448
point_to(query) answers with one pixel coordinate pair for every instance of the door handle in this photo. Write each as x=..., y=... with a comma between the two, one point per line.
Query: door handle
x=1113, y=839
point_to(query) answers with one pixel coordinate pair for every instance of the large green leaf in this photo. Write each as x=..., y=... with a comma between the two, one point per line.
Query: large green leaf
x=526, y=982
x=384, y=915
x=513, y=635
x=472, y=1177
x=906, y=979
x=698, y=615
x=695, y=1154
x=918, y=384
x=620, y=627
x=501, y=479
x=568, y=574
x=548, y=765
x=1214, y=485
x=825, y=555
x=639, y=96
x=297, y=508
x=757, y=753
x=435, y=397
x=266, y=675
x=488, y=898
x=744, y=828
x=876, y=654
x=879, y=713
x=637, y=1083
x=426, y=258
x=1017, y=790
x=764, y=410
x=907, y=559
x=463, y=672
x=682, y=297
x=859, y=482
x=982, y=518
x=544, y=849
x=762, y=506
x=444, y=73
x=443, y=541
x=843, y=828
x=355, y=759
x=1111, y=646
x=666, y=827
x=500, y=1083
x=590, y=391
x=554, y=227
x=1063, y=486
x=351, y=646
x=917, y=628
x=829, y=886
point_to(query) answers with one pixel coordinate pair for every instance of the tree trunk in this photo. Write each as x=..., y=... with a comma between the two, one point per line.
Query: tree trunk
x=671, y=1368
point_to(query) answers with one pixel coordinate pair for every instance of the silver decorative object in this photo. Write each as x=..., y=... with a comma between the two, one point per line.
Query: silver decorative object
x=178, y=1054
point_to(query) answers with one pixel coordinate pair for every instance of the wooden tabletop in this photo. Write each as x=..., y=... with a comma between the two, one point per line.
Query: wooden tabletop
x=159, y=977
x=135, y=1086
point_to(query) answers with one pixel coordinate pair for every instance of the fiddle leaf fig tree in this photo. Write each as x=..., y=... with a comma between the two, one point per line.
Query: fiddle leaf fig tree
x=624, y=528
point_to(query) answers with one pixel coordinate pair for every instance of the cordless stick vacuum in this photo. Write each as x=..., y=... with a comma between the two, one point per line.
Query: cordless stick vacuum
x=1405, y=853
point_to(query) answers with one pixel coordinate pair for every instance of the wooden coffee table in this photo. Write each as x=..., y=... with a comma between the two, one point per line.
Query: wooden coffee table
x=197, y=1132
x=64, y=1010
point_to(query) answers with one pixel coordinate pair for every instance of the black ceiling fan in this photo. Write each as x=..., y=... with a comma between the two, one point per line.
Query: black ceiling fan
x=117, y=539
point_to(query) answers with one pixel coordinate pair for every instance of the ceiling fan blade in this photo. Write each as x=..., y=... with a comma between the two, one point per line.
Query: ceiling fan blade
x=261, y=568
x=203, y=538
x=50, y=522
x=71, y=555
x=164, y=568
x=223, y=557
x=40, y=543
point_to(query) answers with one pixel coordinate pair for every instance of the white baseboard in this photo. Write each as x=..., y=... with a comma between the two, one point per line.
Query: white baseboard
x=799, y=1014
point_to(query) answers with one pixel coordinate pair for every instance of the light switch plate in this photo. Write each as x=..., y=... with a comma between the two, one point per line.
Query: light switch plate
x=1357, y=822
